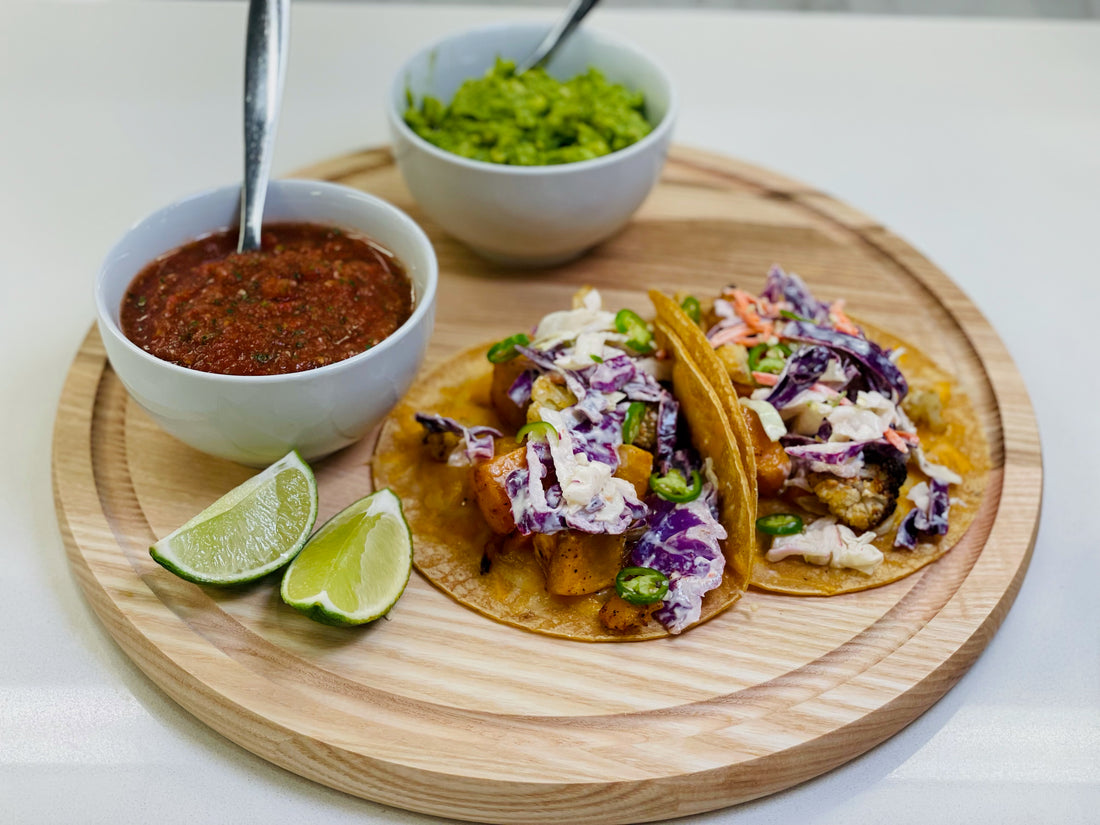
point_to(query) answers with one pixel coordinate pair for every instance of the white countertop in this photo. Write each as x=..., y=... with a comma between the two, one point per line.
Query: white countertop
x=976, y=141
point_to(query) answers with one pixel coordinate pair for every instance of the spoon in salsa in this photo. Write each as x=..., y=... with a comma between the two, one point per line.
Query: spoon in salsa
x=557, y=35
x=264, y=68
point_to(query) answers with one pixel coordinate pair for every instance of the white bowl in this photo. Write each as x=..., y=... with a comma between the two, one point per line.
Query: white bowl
x=530, y=215
x=258, y=419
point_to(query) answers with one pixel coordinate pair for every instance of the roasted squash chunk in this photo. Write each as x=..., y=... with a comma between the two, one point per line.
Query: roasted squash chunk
x=504, y=375
x=577, y=563
x=492, y=498
x=620, y=615
x=773, y=465
x=635, y=466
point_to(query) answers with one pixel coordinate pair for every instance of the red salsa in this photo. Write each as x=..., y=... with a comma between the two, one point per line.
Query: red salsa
x=312, y=295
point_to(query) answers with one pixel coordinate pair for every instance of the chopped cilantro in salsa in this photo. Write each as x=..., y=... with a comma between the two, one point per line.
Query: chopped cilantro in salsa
x=532, y=119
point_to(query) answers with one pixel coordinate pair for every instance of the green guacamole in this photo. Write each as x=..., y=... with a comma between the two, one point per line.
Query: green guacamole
x=532, y=119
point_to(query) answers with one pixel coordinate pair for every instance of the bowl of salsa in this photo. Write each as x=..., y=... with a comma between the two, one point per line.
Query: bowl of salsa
x=306, y=343
x=530, y=170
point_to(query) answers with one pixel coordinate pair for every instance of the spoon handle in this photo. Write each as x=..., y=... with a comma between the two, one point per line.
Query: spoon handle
x=573, y=17
x=264, y=68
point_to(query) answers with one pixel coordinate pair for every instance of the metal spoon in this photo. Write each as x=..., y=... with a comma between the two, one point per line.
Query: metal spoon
x=264, y=68
x=573, y=17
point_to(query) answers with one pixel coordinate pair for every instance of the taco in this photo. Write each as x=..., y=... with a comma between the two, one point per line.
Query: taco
x=583, y=482
x=869, y=463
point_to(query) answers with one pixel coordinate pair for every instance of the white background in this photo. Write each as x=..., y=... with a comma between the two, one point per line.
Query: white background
x=978, y=141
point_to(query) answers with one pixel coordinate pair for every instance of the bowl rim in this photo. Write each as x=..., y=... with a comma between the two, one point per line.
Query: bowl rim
x=658, y=132
x=424, y=303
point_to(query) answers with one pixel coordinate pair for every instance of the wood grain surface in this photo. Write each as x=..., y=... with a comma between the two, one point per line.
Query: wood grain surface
x=440, y=710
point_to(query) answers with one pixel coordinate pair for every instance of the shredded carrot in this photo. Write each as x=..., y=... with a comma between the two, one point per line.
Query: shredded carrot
x=912, y=438
x=842, y=322
x=729, y=335
x=765, y=379
x=824, y=390
x=769, y=309
x=896, y=440
x=743, y=305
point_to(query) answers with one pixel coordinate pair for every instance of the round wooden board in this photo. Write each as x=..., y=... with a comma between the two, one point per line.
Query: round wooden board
x=437, y=709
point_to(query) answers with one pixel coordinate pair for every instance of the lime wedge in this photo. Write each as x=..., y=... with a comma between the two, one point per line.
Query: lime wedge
x=356, y=567
x=253, y=529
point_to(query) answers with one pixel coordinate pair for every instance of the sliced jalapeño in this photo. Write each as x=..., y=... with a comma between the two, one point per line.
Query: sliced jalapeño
x=633, y=421
x=690, y=305
x=539, y=429
x=630, y=324
x=674, y=487
x=505, y=350
x=641, y=585
x=779, y=524
x=768, y=358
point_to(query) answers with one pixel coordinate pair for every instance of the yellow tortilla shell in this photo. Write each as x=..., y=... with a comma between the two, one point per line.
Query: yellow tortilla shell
x=450, y=534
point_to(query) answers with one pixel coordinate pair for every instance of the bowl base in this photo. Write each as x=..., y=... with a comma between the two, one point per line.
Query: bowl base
x=528, y=261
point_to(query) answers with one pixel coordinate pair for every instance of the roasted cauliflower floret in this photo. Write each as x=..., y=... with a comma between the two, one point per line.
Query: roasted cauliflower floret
x=863, y=501
x=549, y=390
x=925, y=407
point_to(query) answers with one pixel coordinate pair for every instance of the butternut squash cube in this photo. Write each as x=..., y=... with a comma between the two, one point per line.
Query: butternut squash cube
x=577, y=563
x=492, y=498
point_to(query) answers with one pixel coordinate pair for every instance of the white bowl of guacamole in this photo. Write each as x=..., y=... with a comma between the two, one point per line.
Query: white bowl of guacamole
x=530, y=171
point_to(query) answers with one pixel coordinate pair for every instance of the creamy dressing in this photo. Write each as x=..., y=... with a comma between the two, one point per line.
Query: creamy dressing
x=825, y=542
x=585, y=482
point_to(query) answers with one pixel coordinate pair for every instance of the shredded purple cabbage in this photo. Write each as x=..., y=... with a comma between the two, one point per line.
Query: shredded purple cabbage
x=668, y=416
x=790, y=288
x=479, y=440
x=925, y=523
x=881, y=373
x=613, y=374
x=644, y=387
x=828, y=452
x=520, y=391
x=545, y=361
x=800, y=372
x=536, y=499
x=682, y=541
x=600, y=440
x=532, y=509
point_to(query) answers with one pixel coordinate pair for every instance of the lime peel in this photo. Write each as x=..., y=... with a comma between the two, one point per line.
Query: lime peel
x=357, y=565
x=254, y=529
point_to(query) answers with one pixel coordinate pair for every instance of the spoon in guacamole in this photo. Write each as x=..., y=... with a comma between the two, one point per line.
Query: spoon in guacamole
x=557, y=35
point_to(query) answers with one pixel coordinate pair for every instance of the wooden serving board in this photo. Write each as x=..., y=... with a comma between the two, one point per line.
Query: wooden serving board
x=440, y=710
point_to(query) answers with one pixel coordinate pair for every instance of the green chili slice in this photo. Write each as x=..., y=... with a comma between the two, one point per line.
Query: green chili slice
x=641, y=585
x=630, y=324
x=674, y=487
x=768, y=358
x=505, y=350
x=779, y=524
x=791, y=316
x=690, y=305
x=598, y=359
x=633, y=421
x=539, y=429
